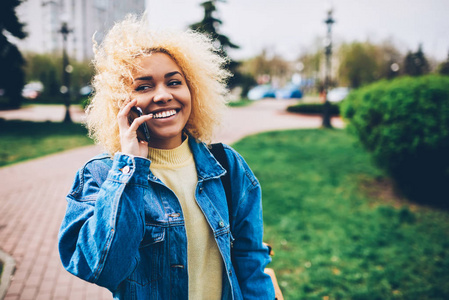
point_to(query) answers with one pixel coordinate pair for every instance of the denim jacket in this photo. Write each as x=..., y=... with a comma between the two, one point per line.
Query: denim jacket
x=124, y=229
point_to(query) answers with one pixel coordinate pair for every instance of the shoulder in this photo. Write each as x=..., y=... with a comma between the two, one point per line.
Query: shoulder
x=98, y=164
x=238, y=165
x=93, y=172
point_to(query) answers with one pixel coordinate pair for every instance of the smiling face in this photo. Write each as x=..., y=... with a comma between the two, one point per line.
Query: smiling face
x=161, y=89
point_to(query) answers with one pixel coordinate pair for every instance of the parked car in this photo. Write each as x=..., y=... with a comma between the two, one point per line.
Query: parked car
x=261, y=91
x=337, y=94
x=32, y=90
x=86, y=91
x=291, y=91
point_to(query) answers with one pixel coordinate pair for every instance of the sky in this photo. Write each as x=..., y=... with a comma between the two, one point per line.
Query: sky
x=292, y=27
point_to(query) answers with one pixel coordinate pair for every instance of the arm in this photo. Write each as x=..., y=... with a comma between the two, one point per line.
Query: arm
x=104, y=221
x=249, y=255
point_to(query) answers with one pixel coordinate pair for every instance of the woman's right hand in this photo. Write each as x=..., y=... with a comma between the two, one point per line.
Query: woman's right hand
x=128, y=132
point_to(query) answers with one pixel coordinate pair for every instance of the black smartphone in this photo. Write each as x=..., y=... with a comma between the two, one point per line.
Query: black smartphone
x=143, y=134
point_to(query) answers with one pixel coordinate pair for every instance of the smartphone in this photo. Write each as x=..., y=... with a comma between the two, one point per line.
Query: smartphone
x=143, y=134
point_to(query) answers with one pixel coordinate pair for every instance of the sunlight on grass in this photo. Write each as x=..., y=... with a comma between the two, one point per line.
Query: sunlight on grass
x=332, y=241
x=22, y=140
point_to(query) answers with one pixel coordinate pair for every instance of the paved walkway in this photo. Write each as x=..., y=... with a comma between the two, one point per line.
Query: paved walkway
x=32, y=202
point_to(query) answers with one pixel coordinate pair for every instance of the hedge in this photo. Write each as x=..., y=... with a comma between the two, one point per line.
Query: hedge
x=313, y=108
x=404, y=123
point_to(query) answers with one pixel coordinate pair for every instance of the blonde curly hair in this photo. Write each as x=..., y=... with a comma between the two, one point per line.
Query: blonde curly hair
x=117, y=58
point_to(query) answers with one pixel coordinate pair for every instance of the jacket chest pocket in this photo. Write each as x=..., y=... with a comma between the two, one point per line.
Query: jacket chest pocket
x=151, y=252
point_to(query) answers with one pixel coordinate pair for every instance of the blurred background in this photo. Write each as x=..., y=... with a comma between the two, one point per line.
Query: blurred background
x=353, y=213
x=276, y=46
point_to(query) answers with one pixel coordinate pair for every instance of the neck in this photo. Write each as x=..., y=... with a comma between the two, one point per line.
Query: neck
x=166, y=143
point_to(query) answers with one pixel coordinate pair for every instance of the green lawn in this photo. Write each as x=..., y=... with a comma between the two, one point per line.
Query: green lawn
x=240, y=103
x=336, y=226
x=22, y=140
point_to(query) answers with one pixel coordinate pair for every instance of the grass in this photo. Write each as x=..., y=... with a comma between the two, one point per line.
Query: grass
x=336, y=232
x=240, y=103
x=23, y=140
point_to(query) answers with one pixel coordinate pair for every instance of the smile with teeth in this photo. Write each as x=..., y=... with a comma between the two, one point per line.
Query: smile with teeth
x=164, y=114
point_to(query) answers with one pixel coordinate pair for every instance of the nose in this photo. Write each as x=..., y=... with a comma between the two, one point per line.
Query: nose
x=162, y=95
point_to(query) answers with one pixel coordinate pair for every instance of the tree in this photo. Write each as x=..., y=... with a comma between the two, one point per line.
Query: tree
x=389, y=60
x=265, y=67
x=443, y=68
x=416, y=64
x=12, y=78
x=210, y=26
x=358, y=64
x=46, y=68
x=309, y=65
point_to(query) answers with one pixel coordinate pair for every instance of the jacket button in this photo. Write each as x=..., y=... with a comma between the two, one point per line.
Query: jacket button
x=125, y=170
x=221, y=224
x=201, y=190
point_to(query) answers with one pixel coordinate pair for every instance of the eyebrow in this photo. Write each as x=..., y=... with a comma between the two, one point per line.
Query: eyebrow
x=170, y=74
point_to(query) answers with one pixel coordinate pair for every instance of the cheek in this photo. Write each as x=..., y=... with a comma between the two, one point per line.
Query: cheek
x=186, y=99
x=142, y=100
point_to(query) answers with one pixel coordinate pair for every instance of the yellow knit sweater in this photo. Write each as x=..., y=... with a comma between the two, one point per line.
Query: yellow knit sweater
x=176, y=168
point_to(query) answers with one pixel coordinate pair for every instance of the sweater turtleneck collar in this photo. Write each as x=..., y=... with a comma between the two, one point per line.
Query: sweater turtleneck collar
x=172, y=158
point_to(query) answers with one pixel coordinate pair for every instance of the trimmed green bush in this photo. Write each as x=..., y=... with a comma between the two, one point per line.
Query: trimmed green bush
x=313, y=108
x=58, y=99
x=404, y=123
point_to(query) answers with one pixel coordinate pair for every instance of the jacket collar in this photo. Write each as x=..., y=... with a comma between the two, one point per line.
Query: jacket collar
x=206, y=165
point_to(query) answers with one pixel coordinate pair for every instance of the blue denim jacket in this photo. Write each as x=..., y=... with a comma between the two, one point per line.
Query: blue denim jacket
x=124, y=229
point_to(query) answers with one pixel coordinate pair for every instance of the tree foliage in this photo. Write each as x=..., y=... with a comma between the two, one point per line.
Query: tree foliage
x=358, y=64
x=443, y=68
x=363, y=63
x=47, y=69
x=311, y=63
x=265, y=65
x=416, y=64
x=389, y=60
x=210, y=25
x=12, y=78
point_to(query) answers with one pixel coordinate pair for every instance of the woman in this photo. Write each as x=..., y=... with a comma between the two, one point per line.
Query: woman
x=149, y=219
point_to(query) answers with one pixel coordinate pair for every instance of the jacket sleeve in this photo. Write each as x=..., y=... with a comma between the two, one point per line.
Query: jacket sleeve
x=104, y=221
x=250, y=256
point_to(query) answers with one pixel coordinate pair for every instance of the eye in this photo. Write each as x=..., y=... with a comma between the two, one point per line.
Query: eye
x=143, y=87
x=174, y=82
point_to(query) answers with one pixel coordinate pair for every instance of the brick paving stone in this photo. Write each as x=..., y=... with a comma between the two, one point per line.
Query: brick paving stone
x=29, y=293
x=43, y=296
x=33, y=203
x=46, y=286
x=15, y=288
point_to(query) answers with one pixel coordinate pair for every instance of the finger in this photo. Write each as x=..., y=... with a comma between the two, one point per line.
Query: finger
x=126, y=109
x=122, y=116
x=139, y=121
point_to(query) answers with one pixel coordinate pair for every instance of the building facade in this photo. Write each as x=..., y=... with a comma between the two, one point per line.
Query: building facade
x=84, y=18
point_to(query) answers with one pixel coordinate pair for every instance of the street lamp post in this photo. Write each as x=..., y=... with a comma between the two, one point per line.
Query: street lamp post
x=66, y=70
x=328, y=51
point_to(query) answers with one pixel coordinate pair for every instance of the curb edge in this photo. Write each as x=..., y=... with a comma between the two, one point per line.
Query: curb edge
x=9, y=266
